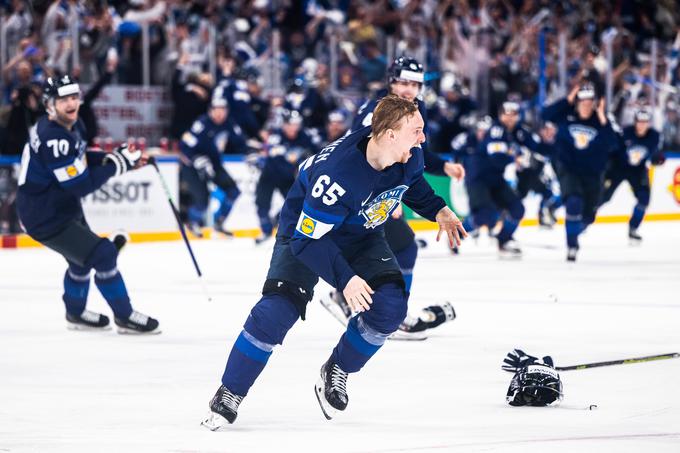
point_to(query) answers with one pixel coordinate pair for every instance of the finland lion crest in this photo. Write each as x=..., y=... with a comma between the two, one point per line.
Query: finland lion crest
x=379, y=209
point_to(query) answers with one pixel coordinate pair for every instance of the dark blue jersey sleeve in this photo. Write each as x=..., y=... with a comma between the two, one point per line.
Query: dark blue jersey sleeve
x=325, y=208
x=557, y=111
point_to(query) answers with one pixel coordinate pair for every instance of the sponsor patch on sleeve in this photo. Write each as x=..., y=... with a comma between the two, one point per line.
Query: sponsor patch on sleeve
x=72, y=170
x=312, y=228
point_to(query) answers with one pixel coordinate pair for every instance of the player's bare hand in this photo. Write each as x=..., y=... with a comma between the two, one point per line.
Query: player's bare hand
x=144, y=160
x=398, y=212
x=450, y=223
x=455, y=171
x=358, y=294
x=601, y=114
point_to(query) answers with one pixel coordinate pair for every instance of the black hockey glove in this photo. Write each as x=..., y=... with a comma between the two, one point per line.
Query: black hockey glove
x=658, y=159
x=123, y=158
x=518, y=359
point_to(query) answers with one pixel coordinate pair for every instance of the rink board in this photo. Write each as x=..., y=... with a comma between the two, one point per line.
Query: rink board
x=137, y=202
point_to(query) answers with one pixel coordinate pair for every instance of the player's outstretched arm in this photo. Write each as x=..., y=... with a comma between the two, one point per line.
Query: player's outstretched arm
x=450, y=223
x=358, y=294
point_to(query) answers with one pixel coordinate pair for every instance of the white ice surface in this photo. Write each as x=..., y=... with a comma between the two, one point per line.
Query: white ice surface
x=84, y=392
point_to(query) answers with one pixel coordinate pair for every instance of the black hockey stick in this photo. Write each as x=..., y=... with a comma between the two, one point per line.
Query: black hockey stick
x=152, y=161
x=649, y=358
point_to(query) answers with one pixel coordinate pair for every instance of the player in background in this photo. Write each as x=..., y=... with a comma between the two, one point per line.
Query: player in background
x=405, y=78
x=56, y=172
x=488, y=191
x=532, y=177
x=202, y=146
x=331, y=227
x=640, y=144
x=585, y=139
x=286, y=148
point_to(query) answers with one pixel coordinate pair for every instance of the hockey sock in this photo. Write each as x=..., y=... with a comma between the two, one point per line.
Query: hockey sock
x=227, y=201
x=509, y=227
x=76, y=287
x=407, y=260
x=108, y=280
x=112, y=287
x=246, y=361
x=638, y=215
x=367, y=332
x=267, y=325
x=573, y=220
x=196, y=214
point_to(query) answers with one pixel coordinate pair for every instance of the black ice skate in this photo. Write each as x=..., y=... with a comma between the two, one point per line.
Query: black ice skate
x=571, y=254
x=219, y=228
x=331, y=390
x=633, y=237
x=223, y=409
x=87, y=320
x=195, y=229
x=263, y=238
x=337, y=306
x=509, y=249
x=137, y=323
x=120, y=239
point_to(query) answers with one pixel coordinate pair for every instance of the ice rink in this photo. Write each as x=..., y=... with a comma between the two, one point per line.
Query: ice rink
x=84, y=392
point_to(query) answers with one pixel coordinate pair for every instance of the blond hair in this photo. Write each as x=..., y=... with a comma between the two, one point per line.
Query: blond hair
x=389, y=112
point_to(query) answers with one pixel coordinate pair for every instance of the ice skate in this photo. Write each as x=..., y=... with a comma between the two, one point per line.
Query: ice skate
x=137, y=324
x=331, y=390
x=195, y=229
x=223, y=409
x=509, y=250
x=571, y=254
x=337, y=306
x=219, y=228
x=263, y=239
x=87, y=320
x=633, y=237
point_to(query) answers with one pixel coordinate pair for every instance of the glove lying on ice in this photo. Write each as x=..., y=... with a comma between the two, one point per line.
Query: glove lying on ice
x=517, y=359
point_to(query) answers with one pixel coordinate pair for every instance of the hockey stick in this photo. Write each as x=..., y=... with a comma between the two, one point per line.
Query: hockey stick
x=649, y=358
x=152, y=161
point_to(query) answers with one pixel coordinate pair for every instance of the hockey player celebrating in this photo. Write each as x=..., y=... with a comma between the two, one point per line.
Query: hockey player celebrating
x=639, y=144
x=287, y=147
x=585, y=138
x=56, y=172
x=331, y=227
x=202, y=147
x=405, y=78
x=487, y=188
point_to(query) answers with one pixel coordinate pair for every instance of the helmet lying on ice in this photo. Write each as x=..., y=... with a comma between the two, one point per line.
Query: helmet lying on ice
x=536, y=384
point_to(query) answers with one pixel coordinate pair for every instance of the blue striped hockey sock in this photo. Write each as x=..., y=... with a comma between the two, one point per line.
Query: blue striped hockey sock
x=112, y=287
x=246, y=361
x=76, y=288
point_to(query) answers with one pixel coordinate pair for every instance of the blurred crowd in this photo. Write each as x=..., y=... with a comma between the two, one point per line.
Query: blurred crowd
x=325, y=56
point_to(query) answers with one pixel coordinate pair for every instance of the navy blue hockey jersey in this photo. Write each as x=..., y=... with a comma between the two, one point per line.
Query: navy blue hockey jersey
x=496, y=150
x=581, y=146
x=338, y=199
x=634, y=151
x=56, y=171
x=206, y=138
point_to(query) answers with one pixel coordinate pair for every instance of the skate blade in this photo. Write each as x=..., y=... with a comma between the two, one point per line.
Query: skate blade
x=400, y=335
x=328, y=411
x=126, y=331
x=334, y=310
x=634, y=242
x=509, y=257
x=84, y=328
x=214, y=422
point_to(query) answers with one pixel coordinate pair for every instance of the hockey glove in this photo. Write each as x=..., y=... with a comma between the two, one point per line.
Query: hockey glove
x=518, y=359
x=429, y=318
x=658, y=159
x=124, y=158
x=204, y=167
